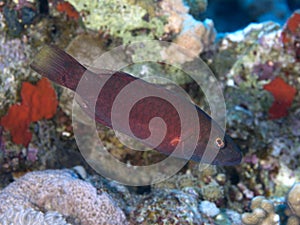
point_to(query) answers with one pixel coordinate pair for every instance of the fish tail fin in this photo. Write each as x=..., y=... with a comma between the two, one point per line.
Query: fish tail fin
x=58, y=66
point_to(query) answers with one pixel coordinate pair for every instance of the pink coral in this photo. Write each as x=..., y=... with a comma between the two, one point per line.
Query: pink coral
x=61, y=191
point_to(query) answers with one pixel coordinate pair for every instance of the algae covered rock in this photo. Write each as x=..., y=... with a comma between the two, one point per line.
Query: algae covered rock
x=167, y=207
x=119, y=18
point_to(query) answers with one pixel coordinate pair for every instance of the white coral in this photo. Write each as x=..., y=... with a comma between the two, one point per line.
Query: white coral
x=20, y=216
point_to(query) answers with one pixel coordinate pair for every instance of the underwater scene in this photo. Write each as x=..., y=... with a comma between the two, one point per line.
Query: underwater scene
x=166, y=112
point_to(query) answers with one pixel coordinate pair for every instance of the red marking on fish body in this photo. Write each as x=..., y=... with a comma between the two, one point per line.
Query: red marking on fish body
x=175, y=141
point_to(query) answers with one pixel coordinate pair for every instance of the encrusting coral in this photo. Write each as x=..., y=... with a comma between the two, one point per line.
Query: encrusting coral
x=63, y=192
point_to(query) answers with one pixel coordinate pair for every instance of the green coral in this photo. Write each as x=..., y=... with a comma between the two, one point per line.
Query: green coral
x=119, y=19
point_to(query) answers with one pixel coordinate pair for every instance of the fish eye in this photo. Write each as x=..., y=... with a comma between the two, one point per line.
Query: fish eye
x=220, y=143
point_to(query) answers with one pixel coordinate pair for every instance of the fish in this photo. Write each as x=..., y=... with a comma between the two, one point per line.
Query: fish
x=210, y=143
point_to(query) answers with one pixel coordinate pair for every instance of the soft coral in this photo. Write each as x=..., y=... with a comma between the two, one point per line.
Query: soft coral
x=38, y=102
x=283, y=94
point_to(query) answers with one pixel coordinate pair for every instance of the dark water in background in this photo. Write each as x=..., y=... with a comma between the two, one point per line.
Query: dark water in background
x=231, y=15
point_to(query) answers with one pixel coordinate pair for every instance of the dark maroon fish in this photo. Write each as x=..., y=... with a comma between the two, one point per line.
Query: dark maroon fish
x=63, y=69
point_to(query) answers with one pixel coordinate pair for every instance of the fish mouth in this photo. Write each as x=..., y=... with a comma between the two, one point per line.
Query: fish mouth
x=228, y=159
x=234, y=161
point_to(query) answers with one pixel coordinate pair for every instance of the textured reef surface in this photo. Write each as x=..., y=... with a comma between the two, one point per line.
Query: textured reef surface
x=254, y=53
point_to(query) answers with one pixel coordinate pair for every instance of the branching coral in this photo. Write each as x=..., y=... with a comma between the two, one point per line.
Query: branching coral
x=263, y=213
x=293, y=201
x=276, y=211
x=61, y=191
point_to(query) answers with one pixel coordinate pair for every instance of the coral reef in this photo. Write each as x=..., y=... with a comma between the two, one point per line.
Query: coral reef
x=262, y=67
x=67, y=8
x=190, y=34
x=13, y=61
x=275, y=211
x=196, y=6
x=171, y=206
x=20, y=216
x=106, y=16
x=61, y=191
x=187, y=32
x=167, y=207
x=258, y=68
x=283, y=94
x=289, y=35
x=263, y=213
x=15, y=56
x=38, y=102
x=208, y=208
x=210, y=183
x=293, y=199
x=18, y=15
x=293, y=202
